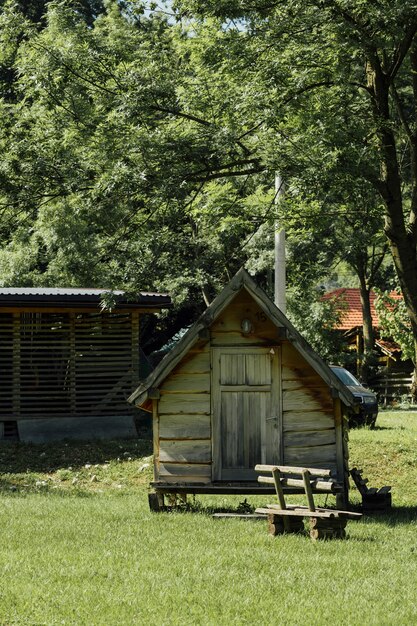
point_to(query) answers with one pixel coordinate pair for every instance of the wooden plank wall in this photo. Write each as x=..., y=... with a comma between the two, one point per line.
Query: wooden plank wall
x=183, y=447
x=67, y=364
x=308, y=414
x=226, y=329
x=184, y=444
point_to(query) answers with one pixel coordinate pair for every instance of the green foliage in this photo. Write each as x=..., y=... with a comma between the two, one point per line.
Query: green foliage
x=316, y=319
x=139, y=151
x=395, y=322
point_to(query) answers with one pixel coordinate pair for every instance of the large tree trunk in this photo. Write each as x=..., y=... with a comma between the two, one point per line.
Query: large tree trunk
x=401, y=236
x=368, y=332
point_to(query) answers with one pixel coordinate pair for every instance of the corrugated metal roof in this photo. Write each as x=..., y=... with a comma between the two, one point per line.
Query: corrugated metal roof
x=68, y=291
x=61, y=296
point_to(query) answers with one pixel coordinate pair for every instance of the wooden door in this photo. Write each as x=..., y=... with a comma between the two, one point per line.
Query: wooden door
x=246, y=411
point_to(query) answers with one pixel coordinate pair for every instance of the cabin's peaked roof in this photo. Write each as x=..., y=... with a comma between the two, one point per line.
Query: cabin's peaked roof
x=348, y=303
x=69, y=296
x=198, y=332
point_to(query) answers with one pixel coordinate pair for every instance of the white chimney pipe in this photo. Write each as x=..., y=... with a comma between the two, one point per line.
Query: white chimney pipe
x=279, y=246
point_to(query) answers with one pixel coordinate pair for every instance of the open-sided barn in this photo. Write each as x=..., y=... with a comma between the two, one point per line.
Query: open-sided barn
x=242, y=387
x=66, y=365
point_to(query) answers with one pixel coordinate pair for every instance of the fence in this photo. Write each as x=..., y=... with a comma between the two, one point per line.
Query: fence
x=392, y=387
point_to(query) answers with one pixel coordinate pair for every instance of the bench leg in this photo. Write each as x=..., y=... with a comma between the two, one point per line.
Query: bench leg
x=327, y=528
x=276, y=525
x=156, y=502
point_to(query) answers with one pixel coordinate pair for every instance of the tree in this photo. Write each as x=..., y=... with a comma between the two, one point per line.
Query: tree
x=395, y=323
x=340, y=228
x=334, y=82
x=122, y=127
x=106, y=179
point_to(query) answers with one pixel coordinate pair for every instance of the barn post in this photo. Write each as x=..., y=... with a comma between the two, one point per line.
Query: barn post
x=72, y=365
x=16, y=365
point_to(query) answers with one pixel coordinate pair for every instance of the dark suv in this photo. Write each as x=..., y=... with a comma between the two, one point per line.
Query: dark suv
x=366, y=410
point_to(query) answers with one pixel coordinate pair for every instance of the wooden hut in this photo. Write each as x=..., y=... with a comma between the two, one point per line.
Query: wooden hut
x=242, y=387
x=67, y=366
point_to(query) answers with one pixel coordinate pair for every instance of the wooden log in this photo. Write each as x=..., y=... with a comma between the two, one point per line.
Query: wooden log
x=319, y=512
x=321, y=533
x=328, y=523
x=307, y=486
x=276, y=475
x=250, y=516
x=327, y=529
x=294, y=512
x=278, y=525
x=156, y=502
x=319, y=473
x=317, y=485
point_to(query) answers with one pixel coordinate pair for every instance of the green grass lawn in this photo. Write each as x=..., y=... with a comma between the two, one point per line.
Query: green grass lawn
x=78, y=545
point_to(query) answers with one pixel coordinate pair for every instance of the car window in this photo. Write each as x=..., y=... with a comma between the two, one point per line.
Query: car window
x=346, y=377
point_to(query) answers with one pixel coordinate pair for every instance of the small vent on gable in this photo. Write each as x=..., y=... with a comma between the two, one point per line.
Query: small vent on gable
x=9, y=431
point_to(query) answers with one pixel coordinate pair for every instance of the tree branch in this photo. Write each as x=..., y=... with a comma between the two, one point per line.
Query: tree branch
x=228, y=174
x=401, y=112
x=177, y=113
x=402, y=50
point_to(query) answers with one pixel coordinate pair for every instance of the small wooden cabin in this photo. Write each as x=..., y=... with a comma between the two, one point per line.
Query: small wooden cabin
x=67, y=366
x=242, y=387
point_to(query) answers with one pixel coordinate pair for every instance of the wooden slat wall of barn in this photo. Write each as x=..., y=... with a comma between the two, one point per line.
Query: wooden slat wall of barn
x=67, y=364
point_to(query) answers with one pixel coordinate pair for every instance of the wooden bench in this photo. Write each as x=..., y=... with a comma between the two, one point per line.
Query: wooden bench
x=288, y=518
x=373, y=499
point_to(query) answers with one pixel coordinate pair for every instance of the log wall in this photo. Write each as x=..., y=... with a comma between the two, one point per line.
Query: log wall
x=308, y=414
x=309, y=434
x=183, y=424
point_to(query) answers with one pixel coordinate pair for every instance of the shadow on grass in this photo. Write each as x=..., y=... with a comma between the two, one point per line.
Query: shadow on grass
x=18, y=458
x=394, y=517
x=376, y=428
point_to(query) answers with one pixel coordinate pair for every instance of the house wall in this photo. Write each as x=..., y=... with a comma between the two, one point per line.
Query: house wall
x=182, y=421
x=309, y=424
x=309, y=430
